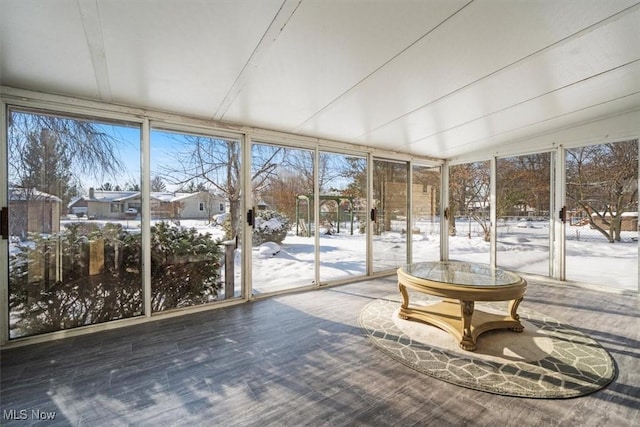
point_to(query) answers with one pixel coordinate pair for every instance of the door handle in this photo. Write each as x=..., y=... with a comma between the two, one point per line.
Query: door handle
x=4, y=223
x=563, y=214
x=374, y=214
x=250, y=217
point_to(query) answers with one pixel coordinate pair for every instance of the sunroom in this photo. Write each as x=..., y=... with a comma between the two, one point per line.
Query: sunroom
x=168, y=161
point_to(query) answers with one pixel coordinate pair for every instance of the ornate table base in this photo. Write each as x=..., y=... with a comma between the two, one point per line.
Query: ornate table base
x=459, y=318
x=460, y=285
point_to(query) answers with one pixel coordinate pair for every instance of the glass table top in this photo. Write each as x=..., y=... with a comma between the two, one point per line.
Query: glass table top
x=461, y=273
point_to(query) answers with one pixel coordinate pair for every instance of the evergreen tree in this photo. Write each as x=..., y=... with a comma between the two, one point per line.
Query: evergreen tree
x=46, y=166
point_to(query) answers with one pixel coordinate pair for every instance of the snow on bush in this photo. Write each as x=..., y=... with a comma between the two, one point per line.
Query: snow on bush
x=268, y=250
x=270, y=226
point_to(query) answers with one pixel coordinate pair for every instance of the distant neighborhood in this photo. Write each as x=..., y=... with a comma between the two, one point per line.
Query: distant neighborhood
x=100, y=204
x=36, y=211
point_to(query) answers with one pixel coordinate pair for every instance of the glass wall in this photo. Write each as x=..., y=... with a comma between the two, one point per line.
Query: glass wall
x=425, y=213
x=342, y=222
x=195, y=219
x=282, y=217
x=523, y=203
x=601, y=214
x=390, y=214
x=74, y=222
x=470, y=224
x=76, y=206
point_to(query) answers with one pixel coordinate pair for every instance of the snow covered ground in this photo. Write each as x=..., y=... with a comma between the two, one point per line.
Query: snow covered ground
x=590, y=258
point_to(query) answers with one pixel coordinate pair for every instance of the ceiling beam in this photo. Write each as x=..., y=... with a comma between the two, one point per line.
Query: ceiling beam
x=270, y=36
x=90, y=15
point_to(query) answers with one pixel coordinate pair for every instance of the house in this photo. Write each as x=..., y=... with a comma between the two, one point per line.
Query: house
x=628, y=220
x=101, y=204
x=199, y=205
x=33, y=211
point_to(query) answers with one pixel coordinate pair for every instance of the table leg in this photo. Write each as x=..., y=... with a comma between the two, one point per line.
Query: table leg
x=467, y=342
x=513, y=308
x=405, y=300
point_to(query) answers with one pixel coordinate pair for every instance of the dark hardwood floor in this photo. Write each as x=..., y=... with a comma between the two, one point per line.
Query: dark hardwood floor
x=300, y=359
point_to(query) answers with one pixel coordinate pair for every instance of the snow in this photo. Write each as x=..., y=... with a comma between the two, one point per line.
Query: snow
x=268, y=250
x=590, y=258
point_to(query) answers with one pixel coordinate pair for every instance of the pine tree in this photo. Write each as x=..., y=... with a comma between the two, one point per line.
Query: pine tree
x=47, y=168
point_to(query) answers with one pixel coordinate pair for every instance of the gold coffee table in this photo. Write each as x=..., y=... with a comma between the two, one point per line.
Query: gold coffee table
x=461, y=284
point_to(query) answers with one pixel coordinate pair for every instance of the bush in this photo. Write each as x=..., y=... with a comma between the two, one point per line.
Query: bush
x=185, y=270
x=270, y=226
x=185, y=267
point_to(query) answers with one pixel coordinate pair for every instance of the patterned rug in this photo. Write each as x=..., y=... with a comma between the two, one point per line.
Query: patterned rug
x=548, y=360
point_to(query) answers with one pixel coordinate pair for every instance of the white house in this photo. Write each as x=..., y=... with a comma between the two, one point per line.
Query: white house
x=100, y=204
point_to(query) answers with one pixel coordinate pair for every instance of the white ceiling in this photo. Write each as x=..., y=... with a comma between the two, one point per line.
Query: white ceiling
x=438, y=78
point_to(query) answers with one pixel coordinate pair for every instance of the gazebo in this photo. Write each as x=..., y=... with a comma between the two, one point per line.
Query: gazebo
x=323, y=198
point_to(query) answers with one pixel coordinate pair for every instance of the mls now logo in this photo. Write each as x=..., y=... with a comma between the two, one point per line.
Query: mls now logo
x=23, y=414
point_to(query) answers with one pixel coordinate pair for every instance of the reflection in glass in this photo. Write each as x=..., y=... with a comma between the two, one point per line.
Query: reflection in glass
x=601, y=225
x=343, y=216
x=470, y=224
x=390, y=181
x=74, y=198
x=283, y=255
x=195, y=208
x=425, y=214
x=523, y=204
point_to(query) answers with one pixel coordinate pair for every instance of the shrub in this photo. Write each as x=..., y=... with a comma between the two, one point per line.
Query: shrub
x=270, y=226
x=185, y=270
x=185, y=267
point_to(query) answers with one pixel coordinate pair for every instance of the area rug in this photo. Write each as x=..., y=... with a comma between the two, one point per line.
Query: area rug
x=547, y=360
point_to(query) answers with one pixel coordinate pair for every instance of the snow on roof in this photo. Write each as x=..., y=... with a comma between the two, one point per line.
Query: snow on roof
x=112, y=196
x=119, y=196
x=182, y=196
x=624, y=214
x=21, y=193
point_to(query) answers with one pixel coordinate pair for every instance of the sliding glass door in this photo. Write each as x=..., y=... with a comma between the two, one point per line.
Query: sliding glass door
x=469, y=223
x=601, y=214
x=195, y=218
x=425, y=213
x=282, y=218
x=523, y=194
x=390, y=214
x=342, y=180
x=74, y=222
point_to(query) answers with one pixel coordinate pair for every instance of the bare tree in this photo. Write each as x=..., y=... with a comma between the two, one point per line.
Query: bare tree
x=469, y=195
x=216, y=163
x=157, y=184
x=523, y=185
x=84, y=147
x=602, y=182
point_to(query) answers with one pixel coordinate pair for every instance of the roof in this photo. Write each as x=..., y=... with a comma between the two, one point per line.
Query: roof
x=102, y=196
x=24, y=194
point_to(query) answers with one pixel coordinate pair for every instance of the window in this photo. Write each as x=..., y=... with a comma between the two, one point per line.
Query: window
x=84, y=261
x=470, y=225
x=601, y=227
x=523, y=196
x=190, y=275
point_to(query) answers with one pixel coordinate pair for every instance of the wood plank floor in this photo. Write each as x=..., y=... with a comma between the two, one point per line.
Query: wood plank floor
x=300, y=359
